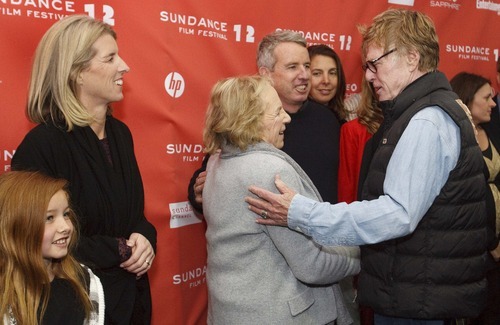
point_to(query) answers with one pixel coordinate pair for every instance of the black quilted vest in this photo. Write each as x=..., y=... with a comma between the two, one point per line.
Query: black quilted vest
x=438, y=271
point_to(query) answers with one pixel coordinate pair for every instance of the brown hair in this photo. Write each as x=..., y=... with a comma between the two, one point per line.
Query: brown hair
x=336, y=104
x=465, y=85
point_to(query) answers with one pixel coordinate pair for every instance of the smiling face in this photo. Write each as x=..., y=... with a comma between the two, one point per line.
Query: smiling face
x=291, y=75
x=274, y=118
x=482, y=104
x=58, y=228
x=395, y=71
x=101, y=83
x=324, y=79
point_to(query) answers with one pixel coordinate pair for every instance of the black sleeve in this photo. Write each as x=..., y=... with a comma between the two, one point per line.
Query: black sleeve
x=191, y=197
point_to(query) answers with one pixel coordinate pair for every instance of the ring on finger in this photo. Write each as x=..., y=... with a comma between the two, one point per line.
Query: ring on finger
x=263, y=214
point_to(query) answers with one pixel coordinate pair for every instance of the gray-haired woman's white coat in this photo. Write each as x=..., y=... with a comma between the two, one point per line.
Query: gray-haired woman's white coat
x=266, y=275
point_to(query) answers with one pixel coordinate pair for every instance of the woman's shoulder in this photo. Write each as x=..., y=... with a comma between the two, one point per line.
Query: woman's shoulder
x=352, y=124
x=269, y=155
x=258, y=161
x=268, y=164
x=353, y=127
x=44, y=135
x=47, y=129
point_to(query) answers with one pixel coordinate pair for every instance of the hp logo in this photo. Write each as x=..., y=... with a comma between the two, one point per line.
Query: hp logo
x=174, y=84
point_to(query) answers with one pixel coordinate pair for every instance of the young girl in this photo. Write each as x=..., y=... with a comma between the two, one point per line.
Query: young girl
x=40, y=280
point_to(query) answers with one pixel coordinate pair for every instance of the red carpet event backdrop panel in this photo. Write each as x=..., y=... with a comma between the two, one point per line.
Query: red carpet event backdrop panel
x=177, y=49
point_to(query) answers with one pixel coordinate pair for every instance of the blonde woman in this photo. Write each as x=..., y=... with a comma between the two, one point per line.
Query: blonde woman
x=77, y=73
x=258, y=274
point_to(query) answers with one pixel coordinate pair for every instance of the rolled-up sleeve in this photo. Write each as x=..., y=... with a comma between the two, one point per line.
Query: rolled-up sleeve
x=419, y=167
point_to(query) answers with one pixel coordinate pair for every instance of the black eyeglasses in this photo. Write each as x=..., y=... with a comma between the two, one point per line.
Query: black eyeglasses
x=370, y=65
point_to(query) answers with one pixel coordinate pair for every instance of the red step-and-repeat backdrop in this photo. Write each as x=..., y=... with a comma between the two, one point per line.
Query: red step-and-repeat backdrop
x=177, y=49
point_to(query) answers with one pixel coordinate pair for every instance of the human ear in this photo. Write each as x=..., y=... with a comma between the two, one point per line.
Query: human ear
x=264, y=71
x=413, y=58
x=76, y=77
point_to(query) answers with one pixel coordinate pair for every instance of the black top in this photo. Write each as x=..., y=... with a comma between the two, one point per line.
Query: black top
x=108, y=200
x=64, y=306
x=312, y=140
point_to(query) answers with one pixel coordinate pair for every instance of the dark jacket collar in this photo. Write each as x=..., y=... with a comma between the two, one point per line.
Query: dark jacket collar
x=419, y=88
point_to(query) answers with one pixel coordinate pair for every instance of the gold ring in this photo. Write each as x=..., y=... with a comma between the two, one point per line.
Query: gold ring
x=263, y=214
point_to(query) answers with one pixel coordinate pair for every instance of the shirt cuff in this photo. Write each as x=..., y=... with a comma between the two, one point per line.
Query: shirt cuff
x=299, y=213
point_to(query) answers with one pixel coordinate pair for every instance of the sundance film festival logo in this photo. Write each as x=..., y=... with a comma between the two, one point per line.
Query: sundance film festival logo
x=55, y=9
x=193, y=277
x=174, y=84
x=189, y=152
x=182, y=214
x=470, y=52
x=37, y=9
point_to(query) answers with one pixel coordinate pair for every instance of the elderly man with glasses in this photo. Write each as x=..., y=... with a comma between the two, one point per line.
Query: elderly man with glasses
x=422, y=218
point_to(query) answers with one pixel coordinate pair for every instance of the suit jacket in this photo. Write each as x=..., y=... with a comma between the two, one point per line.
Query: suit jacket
x=266, y=275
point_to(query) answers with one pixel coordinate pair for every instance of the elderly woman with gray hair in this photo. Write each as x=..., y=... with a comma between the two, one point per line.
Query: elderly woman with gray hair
x=258, y=274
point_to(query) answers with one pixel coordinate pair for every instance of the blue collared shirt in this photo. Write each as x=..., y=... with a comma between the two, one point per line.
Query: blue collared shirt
x=419, y=167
